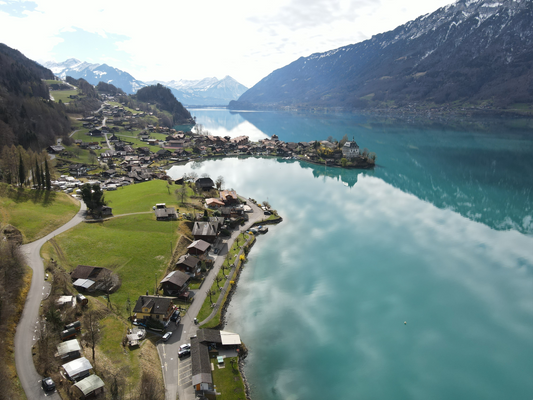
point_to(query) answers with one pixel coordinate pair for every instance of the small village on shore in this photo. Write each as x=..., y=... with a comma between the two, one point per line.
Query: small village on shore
x=184, y=316
x=122, y=153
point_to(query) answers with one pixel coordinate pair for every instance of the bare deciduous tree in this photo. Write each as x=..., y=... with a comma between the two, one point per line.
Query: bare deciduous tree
x=150, y=388
x=92, y=328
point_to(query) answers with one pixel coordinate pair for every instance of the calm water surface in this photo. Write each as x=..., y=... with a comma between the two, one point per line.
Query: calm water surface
x=439, y=236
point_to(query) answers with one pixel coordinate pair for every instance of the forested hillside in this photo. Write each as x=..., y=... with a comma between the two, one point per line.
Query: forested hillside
x=27, y=115
x=470, y=53
x=165, y=100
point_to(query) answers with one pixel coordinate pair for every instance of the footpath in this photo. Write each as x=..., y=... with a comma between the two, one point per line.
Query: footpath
x=173, y=369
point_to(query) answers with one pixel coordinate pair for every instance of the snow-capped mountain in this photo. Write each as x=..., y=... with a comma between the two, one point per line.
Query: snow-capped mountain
x=94, y=73
x=207, y=91
x=204, y=92
x=471, y=51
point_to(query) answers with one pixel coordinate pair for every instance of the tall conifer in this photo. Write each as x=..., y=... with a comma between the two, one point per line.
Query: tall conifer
x=22, y=173
x=47, y=175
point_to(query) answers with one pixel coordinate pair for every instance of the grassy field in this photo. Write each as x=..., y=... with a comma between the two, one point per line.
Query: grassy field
x=63, y=95
x=82, y=135
x=142, y=197
x=110, y=346
x=136, y=142
x=228, y=380
x=136, y=247
x=35, y=213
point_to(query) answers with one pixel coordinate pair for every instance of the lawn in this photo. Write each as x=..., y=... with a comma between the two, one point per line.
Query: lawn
x=206, y=309
x=84, y=137
x=142, y=197
x=113, y=330
x=128, y=137
x=63, y=95
x=136, y=247
x=228, y=380
x=35, y=213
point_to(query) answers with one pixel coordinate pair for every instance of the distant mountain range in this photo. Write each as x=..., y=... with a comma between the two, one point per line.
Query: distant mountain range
x=94, y=73
x=208, y=91
x=470, y=52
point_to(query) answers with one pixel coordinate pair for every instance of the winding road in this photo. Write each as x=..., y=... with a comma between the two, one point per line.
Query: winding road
x=173, y=370
x=28, y=326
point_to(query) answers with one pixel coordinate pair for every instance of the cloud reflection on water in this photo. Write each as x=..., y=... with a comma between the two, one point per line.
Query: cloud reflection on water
x=322, y=301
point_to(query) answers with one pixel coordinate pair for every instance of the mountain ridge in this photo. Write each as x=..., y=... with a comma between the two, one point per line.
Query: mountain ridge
x=207, y=91
x=471, y=51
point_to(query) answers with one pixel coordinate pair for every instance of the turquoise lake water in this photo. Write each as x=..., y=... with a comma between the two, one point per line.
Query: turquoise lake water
x=439, y=235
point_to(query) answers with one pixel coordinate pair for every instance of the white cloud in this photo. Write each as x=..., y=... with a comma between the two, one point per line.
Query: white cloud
x=192, y=40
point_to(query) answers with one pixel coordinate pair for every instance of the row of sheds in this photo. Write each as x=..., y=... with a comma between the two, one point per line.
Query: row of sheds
x=79, y=369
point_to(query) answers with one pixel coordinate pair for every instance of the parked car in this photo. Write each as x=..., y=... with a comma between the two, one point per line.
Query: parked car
x=166, y=336
x=48, y=384
x=186, y=346
x=267, y=212
x=184, y=353
x=175, y=316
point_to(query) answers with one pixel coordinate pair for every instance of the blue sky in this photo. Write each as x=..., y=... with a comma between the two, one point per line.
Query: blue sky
x=178, y=39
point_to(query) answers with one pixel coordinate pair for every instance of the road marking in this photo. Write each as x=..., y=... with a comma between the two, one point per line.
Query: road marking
x=165, y=366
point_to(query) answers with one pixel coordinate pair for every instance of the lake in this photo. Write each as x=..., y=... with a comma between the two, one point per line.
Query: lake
x=412, y=281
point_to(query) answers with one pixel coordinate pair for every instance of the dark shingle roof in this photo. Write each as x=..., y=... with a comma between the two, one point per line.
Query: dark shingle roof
x=201, y=365
x=188, y=260
x=86, y=272
x=209, y=336
x=203, y=229
x=178, y=278
x=201, y=245
x=156, y=304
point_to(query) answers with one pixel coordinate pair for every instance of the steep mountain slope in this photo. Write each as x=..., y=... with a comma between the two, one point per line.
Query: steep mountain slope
x=477, y=51
x=27, y=115
x=163, y=98
x=94, y=73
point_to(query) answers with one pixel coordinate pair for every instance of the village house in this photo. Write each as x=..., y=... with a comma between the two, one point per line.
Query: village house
x=198, y=247
x=188, y=264
x=214, y=203
x=174, y=283
x=77, y=169
x=164, y=213
x=55, y=149
x=228, y=196
x=350, y=149
x=205, y=231
x=208, y=344
x=154, y=307
x=204, y=183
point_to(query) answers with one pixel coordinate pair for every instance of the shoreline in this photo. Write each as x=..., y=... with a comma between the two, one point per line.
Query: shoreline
x=244, y=350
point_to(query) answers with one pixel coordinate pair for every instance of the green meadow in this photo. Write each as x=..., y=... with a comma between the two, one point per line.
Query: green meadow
x=136, y=247
x=35, y=213
x=63, y=95
x=143, y=196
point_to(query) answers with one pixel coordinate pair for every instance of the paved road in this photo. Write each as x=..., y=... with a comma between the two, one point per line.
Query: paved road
x=176, y=372
x=27, y=328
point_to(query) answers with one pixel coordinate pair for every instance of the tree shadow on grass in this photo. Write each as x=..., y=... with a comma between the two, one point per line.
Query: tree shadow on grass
x=21, y=195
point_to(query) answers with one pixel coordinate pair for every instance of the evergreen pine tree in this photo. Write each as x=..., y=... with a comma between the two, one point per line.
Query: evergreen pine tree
x=47, y=175
x=37, y=176
x=22, y=173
